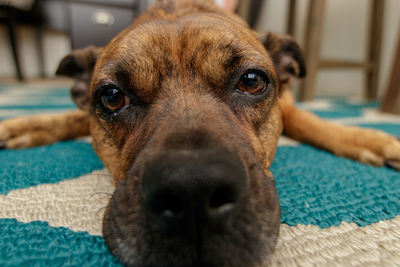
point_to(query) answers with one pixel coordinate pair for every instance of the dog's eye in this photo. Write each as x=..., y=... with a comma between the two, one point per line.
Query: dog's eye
x=252, y=83
x=113, y=99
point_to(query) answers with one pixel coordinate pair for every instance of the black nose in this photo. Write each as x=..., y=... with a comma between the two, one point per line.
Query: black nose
x=187, y=191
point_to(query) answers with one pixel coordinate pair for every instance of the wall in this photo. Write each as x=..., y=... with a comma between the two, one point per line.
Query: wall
x=345, y=37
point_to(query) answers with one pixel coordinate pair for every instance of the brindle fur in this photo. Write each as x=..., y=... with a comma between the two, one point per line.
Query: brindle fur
x=180, y=62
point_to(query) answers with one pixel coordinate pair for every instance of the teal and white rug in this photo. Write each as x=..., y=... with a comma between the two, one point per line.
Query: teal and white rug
x=334, y=211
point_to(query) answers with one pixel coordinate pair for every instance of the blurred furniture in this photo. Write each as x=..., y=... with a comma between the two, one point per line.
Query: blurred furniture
x=13, y=13
x=391, y=98
x=254, y=12
x=250, y=10
x=290, y=26
x=91, y=22
x=312, y=42
x=96, y=22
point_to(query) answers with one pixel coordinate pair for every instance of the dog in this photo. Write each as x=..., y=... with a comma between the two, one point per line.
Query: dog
x=185, y=108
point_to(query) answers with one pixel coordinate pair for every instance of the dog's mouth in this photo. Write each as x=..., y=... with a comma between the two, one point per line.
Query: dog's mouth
x=202, y=207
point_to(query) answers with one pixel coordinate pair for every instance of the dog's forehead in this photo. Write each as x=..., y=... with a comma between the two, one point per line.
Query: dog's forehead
x=206, y=44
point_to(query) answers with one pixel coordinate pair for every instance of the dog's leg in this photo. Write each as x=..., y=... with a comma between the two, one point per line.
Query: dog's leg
x=45, y=129
x=369, y=146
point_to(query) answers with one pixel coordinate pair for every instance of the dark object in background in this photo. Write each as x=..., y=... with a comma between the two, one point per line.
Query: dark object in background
x=254, y=12
x=91, y=22
x=88, y=22
x=96, y=22
x=26, y=12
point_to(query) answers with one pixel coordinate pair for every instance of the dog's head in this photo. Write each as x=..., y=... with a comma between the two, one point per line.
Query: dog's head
x=185, y=114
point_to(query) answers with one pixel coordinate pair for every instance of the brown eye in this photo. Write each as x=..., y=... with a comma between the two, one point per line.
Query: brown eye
x=252, y=83
x=113, y=99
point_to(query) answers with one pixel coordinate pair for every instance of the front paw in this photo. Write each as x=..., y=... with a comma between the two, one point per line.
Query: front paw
x=25, y=132
x=392, y=155
x=371, y=147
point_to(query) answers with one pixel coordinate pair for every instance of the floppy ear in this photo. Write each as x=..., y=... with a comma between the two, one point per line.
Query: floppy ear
x=286, y=54
x=79, y=62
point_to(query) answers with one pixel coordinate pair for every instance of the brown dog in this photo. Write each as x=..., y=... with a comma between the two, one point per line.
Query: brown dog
x=185, y=109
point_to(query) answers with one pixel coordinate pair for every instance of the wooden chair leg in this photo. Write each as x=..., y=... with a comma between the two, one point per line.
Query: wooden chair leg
x=254, y=12
x=39, y=44
x=391, y=98
x=291, y=18
x=374, y=49
x=312, y=43
x=14, y=47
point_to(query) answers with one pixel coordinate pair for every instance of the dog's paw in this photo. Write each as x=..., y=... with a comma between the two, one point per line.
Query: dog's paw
x=43, y=129
x=371, y=147
x=23, y=132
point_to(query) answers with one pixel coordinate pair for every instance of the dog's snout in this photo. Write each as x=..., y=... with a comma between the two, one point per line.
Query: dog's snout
x=185, y=190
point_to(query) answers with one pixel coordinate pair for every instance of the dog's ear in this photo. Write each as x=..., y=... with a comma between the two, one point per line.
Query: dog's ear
x=79, y=62
x=286, y=54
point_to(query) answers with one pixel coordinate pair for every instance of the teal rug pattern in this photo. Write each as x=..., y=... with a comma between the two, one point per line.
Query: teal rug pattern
x=38, y=244
x=319, y=192
x=48, y=164
x=314, y=192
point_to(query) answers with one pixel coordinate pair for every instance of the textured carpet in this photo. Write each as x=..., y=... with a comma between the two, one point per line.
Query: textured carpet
x=334, y=211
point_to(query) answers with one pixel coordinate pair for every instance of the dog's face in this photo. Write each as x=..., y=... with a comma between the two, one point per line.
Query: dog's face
x=185, y=115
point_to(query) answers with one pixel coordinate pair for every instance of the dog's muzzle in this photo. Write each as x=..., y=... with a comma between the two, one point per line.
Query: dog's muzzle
x=190, y=199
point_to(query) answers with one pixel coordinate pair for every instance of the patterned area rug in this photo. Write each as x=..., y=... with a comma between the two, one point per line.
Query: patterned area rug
x=334, y=211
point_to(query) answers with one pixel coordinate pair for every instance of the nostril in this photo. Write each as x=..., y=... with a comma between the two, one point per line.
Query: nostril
x=165, y=204
x=223, y=198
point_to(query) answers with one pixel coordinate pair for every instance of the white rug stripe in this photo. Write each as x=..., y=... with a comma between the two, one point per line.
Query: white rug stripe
x=77, y=204
x=12, y=113
x=286, y=141
x=318, y=104
x=368, y=116
x=344, y=245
